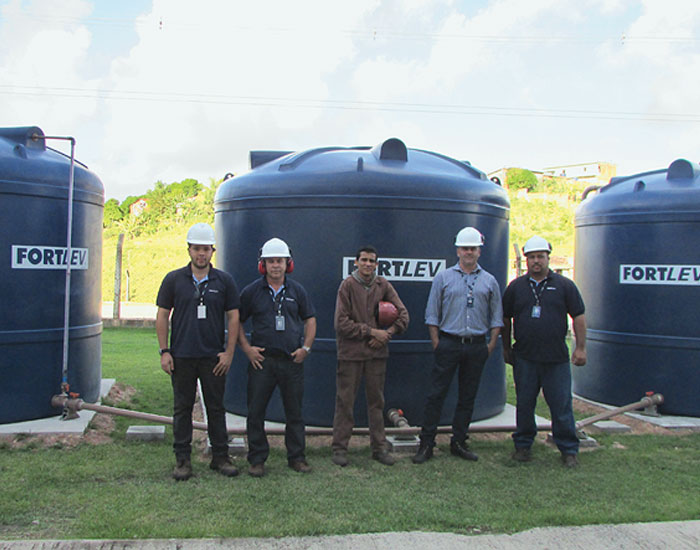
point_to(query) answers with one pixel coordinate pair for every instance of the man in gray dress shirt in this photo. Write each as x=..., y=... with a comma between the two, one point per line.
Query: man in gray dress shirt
x=464, y=307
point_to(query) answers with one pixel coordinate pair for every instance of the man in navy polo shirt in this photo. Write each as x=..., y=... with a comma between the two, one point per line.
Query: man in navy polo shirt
x=201, y=299
x=284, y=328
x=538, y=304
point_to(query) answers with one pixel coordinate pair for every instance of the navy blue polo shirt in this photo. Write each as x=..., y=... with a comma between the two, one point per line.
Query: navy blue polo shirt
x=258, y=304
x=190, y=336
x=542, y=339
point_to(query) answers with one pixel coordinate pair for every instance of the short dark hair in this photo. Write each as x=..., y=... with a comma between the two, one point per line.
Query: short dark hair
x=367, y=248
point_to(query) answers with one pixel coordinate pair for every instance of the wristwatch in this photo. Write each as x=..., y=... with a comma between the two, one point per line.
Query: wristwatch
x=164, y=350
x=307, y=349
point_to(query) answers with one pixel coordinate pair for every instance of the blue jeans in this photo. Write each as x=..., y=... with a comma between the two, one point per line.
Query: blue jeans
x=468, y=360
x=555, y=381
x=289, y=376
x=184, y=381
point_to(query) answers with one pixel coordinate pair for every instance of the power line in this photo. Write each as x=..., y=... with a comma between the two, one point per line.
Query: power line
x=373, y=33
x=310, y=103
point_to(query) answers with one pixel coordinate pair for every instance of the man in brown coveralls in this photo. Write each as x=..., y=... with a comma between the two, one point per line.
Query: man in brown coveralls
x=362, y=351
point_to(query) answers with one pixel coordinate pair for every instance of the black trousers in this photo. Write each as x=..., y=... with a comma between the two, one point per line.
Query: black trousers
x=184, y=380
x=289, y=376
x=468, y=361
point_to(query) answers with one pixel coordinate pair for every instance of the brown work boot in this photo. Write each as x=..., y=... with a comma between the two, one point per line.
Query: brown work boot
x=300, y=466
x=522, y=454
x=340, y=458
x=223, y=465
x=183, y=469
x=569, y=460
x=384, y=457
x=257, y=470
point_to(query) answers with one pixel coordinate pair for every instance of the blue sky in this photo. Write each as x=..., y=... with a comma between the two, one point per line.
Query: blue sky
x=169, y=89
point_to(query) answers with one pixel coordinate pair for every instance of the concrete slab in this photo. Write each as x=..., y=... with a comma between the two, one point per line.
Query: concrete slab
x=145, y=433
x=610, y=426
x=664, y=421
x=55, y=424
x=403, y=444
x=679, y=535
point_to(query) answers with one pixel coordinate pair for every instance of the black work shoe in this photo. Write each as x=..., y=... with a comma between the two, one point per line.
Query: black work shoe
x=462, y=451
x=340, y=458
x=257, y=470
x=384, y=457
x=569, y=460
x=183, y=469
x=223, y=465
x=425, y=452
x=522, y=454
x=300, y=466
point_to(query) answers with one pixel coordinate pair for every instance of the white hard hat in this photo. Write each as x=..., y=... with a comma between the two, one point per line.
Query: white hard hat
x=469, y=236
x=201, y=233
x=536, y=244
x=275, y=248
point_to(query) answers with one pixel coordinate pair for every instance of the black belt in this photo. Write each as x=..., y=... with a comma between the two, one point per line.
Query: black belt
x=478, y=339
x=276, y=354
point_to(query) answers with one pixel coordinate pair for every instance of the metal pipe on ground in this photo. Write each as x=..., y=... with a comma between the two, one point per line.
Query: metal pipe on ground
x=73, y=405
x=644, y=402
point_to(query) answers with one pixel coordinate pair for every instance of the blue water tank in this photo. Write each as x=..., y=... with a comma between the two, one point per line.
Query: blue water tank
x=328, y=202
x=34, y=182
x=638, y=268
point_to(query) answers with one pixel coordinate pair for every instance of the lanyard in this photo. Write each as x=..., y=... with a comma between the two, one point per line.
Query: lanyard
x=279, y=299
x=470, y=286
x=200, y=290
x=540, y=289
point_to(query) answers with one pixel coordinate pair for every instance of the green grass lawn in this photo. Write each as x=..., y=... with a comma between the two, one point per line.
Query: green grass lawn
x=123, y=489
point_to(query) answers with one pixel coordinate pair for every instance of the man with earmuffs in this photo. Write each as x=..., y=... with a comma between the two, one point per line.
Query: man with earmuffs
x=284, y=328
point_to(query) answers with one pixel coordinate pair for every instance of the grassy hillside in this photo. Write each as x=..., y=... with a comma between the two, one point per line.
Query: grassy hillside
x=149, y=257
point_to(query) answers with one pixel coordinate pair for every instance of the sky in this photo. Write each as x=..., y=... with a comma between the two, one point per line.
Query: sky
x=163, y=90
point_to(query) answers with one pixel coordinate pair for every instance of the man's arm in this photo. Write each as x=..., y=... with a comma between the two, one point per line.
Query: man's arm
x=226, y=357
x=345, y=325
x=505, y=338
x=495, y=331
x=433, y=331
x=162, y=326
x=253, y=353
x=578, y=357
x=299, y=354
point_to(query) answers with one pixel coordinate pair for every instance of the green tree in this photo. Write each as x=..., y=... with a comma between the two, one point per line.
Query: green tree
x=520, y=178
x=112, y=213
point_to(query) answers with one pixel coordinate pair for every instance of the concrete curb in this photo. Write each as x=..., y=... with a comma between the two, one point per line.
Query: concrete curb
x=679, y=535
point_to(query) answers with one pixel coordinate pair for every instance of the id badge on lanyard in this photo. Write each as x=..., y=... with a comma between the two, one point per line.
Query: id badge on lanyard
x=201, y=311
x=279, y=318
x=536, y=311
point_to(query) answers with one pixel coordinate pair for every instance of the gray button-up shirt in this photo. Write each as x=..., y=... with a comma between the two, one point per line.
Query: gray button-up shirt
x=447, y=303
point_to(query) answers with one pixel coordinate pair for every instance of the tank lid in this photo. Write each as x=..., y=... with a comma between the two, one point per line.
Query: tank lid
x=681, y=169
x=29, y=136
x=258, y=158
x=391, y=149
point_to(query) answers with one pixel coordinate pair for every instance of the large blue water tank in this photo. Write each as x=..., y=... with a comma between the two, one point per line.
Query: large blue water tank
x=34, y=182
x=638, y=268
x=326, y=203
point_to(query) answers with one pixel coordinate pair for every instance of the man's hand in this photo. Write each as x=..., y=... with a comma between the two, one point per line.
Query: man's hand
x=508, y=356
x=578, y=357
x=383, y=336
x=166, y=363
x=299, y=354
x=255, y=356
x=225, y=358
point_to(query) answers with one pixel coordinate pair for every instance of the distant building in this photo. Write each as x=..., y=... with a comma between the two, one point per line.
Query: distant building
x=137, y=208
x=596, y=172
